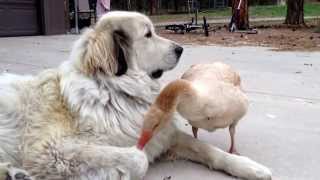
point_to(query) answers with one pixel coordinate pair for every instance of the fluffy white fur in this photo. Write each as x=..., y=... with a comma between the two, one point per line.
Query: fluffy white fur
x=80, y=121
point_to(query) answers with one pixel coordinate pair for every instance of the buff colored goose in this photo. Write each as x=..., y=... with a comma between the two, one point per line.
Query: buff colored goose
x=209, y=96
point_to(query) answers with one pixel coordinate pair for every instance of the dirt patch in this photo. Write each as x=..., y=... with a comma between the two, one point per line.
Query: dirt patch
x=280, y=38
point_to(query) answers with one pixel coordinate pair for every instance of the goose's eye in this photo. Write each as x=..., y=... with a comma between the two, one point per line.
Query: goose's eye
x=155, y=127
x=148, y=35
x=208, y=118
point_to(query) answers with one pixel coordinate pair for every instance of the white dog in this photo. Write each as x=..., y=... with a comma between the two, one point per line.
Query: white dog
x=72, y=122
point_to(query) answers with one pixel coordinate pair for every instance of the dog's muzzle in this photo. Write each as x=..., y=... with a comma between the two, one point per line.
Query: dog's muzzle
x=178, y=52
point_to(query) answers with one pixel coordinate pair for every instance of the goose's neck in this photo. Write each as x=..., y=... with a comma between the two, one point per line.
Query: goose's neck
x=161, y=111
x=172, y=94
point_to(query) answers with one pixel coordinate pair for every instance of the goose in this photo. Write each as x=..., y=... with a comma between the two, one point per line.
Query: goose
x=209, y=96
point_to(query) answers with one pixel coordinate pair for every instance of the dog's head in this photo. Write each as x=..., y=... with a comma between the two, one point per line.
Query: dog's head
x=123, y=40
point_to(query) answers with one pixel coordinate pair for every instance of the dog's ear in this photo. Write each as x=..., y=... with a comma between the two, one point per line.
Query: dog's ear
x=121, y=45
x=105, y=53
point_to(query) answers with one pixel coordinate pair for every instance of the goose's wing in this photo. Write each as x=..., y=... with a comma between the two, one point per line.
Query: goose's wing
x=216, y=71
x=221, y=104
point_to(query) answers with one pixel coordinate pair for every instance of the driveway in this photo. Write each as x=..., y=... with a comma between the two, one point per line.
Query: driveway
x=281, y=129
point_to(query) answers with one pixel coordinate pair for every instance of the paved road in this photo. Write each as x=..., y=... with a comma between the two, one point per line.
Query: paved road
x=281, y=129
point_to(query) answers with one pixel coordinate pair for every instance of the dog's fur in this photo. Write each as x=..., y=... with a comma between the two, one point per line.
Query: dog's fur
x=70, y=122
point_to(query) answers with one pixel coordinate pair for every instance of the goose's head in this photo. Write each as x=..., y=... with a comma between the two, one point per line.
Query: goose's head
x=161, y=111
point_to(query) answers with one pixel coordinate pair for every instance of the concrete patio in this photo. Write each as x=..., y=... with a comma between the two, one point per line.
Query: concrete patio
x=281, y=129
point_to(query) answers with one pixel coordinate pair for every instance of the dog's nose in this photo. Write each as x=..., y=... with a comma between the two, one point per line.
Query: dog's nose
x=178, y=50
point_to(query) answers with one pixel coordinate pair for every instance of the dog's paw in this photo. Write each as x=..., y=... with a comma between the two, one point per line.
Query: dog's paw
x=8, y=172
x=169, y=156
x=256, y=171
x=261, y=173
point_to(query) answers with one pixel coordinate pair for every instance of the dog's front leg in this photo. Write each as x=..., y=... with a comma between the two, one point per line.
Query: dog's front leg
x=9, y=172
x=186, y=147
x=75, y=161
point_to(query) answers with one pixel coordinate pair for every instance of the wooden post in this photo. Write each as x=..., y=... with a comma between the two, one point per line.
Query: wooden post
x=295, y=14
x=129, y=5
x=76, y=16
x=53, y=17
x=241, y=16
x=66, y=15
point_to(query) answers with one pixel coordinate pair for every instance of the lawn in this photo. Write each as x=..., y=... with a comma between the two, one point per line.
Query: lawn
x=311, y=9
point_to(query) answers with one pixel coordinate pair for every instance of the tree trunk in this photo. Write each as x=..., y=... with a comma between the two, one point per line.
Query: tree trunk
x=140, y=5
x=166, y=6
x=242, y=16
x=176, y=5
x=152, y=7
x=295, y=15
x=66, y=15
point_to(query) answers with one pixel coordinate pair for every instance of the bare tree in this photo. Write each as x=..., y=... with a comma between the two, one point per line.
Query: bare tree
x=295, y=12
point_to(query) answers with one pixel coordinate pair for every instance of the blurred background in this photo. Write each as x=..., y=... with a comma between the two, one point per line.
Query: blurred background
x=46, y=17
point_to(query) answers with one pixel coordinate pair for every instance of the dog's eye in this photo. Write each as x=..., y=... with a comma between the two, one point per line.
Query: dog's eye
x=148, y=35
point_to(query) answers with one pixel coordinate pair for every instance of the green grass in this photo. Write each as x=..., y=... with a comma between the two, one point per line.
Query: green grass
x=310, y=9
x=224, y=12
x=267, y=11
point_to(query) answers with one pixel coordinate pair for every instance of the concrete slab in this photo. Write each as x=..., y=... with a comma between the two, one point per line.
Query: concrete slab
x=281, y=129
